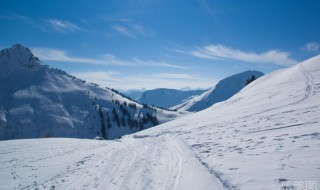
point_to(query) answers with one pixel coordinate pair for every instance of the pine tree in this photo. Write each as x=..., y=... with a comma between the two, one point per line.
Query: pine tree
x=123, y=122
x=253, y=77
x=103, y=128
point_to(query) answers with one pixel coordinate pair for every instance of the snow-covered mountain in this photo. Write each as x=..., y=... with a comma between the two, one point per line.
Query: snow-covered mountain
x=39, y=101
x=166, y=98
x=134, y=94
x=267, y=136
x=225, y=89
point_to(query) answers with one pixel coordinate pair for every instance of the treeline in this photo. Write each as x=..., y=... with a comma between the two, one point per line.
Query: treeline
x=126, y=115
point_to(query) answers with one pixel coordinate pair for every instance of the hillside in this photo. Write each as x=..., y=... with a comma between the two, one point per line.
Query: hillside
x=134, y=94
x=166, y=98
x=225, y=89
x=264, y=137
x=38, y=101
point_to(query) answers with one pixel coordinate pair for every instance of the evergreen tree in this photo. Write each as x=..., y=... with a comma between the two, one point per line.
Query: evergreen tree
x=253, y=77
x=103, y=128
x=123, y=122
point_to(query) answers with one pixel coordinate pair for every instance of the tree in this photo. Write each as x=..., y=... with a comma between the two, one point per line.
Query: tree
x=141, y=125
x=103, y=127
x=123, y=122
x=253, y=77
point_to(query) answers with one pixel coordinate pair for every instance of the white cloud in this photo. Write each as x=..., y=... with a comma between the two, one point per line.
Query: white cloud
x=149, y=81
x=132, y=30
x=14, y=16
x=312, y=47
x=173, y=76
x=123, y=30
x=139, y=62
x=102, y=78
x=50, y=54
x=225, y=53
x=63, y=25
x=116, y=19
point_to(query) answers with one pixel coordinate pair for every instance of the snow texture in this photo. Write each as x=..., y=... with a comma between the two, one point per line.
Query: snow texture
x=266, y=134
x=166, y=98
x=39, y=101
x=225, y=89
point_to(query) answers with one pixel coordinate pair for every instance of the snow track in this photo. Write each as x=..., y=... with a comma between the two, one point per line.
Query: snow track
x=310, y=86
x=146, y=163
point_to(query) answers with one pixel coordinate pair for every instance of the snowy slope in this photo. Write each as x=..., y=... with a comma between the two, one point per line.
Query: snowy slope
x=73, y=164
x=134, y=94
x=222, y=91
x=263, y=136
x=166, y=98
x=38, y=101
x=267, y=134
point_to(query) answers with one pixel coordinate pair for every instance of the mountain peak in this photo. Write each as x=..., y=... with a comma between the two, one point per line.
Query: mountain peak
x=21, y=55
x=18, y=45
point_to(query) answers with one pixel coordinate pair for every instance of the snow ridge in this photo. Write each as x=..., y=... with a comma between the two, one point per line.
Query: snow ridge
x=19, y=54
x=265, y=135
x=225, y=89
x=37, y=101
x=166, y=98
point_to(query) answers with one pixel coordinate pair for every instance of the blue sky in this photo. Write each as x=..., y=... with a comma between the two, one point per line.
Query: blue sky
x=134, y=44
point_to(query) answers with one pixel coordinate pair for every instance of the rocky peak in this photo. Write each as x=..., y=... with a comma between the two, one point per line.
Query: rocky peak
x=21, y=55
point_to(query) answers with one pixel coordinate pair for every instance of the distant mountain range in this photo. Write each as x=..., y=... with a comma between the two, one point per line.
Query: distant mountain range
x=166, y=98
x=39, y=101
x=194, y=100
x=134, y=94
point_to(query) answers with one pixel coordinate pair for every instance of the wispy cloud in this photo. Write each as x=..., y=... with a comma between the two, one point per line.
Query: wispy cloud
x=313, y=47
x=13, y=16
x=225, y=53
x=50, y=54
x=117, y=19
x=99, y=77
x=63, y=25
x=132, y=30
x=123, y=30
x=157, y=64
x=181, y=76
x=149, y=81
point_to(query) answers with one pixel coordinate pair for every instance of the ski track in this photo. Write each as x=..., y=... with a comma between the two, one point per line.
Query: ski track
x=310, y=86
x=177, y=178
x=144, y=163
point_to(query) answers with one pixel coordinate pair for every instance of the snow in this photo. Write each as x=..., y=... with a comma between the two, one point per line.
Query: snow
x=166, y=98
x=38, y=101
x=147, y=163
x=225, y=89
x=266, y=134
